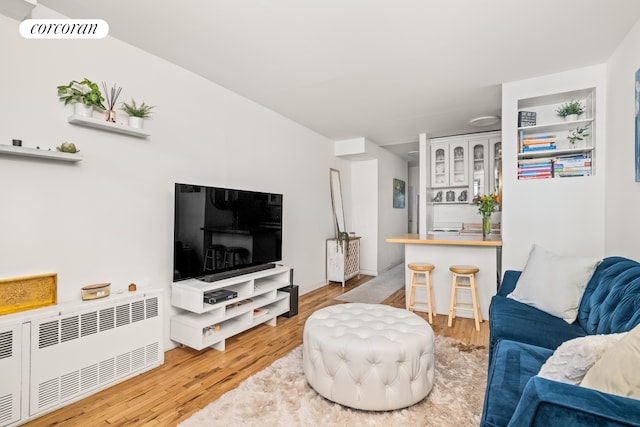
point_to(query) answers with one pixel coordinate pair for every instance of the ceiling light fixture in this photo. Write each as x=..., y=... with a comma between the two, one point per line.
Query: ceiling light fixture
x=484, y=121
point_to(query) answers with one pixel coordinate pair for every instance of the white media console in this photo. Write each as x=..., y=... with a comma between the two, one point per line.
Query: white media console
x=209, y=325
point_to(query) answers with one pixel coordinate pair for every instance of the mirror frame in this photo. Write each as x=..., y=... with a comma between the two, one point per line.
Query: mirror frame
x=336, y=201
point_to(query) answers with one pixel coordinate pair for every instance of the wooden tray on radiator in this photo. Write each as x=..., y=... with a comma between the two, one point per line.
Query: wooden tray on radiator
x=27, y=293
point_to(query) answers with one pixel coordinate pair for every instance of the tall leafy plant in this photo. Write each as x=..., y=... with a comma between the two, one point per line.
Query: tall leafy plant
x=85, y=91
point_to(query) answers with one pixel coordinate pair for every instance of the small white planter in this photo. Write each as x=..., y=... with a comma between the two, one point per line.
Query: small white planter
x=571, y=117
x=136, y=122
x=82, y=109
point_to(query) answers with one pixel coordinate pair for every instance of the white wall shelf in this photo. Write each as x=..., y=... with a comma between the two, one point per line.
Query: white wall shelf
x=45, y=154
x=108, y=126
x=555, y=126
x=555, y=153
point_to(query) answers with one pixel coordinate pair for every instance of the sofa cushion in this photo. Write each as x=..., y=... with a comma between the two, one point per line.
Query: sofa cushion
x=554, y=283
x=512, y=366
x=612, y=297
x=571, y=361
x=617, y=370
x=512, y=320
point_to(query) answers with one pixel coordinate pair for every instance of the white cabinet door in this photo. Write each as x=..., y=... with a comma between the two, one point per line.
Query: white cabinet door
x=479, y=151
x=440, y=165
x=459, y=163
x=495, y=165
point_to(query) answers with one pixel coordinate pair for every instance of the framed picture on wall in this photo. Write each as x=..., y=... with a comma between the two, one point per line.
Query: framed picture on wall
x=398, y=193
x=637, y=125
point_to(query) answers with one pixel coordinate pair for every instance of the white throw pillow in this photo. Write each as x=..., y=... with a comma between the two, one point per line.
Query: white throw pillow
x=571, y=361
x=617, y=370
x=554, y=283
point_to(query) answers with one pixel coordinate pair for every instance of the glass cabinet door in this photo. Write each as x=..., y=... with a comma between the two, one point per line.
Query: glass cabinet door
x=495, y=165
x=439, y=165
x=480, y=166
x=459, y=164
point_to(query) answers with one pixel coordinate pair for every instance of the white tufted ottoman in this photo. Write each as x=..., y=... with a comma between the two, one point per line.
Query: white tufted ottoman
x=369, y=356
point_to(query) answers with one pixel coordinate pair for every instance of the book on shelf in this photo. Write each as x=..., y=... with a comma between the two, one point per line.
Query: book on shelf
x=576, y=165
x=207, y=331
x=257, y=312
x=536, y=176
x=538, y=147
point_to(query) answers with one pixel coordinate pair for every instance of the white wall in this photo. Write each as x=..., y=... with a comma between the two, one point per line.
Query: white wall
x=109, y=218
x=564, y=215
x=622, y=193
x=364, y=219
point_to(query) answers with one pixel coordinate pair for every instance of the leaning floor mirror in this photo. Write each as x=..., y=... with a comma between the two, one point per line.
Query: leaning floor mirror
x=336, y=201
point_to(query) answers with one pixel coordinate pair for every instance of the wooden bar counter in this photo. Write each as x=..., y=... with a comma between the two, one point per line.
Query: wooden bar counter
x=446, y=249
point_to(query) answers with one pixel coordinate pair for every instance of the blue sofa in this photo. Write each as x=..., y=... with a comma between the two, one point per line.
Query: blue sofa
x=522, y=338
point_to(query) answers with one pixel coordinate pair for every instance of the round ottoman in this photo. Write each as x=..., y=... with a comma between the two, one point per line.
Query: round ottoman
x=369, y=356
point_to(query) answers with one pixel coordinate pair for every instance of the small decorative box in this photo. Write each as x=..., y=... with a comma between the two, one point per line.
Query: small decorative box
x=526, y=118
x=99, y=290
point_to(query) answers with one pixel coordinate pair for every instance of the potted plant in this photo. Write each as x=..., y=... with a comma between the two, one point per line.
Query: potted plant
x=570, y=110
x=577, y=134
x=85, y=95
x=137, y=113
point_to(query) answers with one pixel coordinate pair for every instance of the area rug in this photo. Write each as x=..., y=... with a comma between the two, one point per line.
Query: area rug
x=280, y=396
x=377, y=289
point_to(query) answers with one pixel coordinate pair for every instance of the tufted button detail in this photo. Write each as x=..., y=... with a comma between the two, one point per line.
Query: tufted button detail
x=369, y=356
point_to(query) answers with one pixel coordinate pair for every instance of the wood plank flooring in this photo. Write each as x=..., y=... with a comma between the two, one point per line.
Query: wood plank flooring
x=189, y=380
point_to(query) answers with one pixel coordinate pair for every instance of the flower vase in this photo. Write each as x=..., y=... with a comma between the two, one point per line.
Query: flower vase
x=110, y=116
x=486, y=225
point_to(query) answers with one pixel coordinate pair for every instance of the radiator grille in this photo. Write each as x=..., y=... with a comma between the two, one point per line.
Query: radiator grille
x=106, y=319
x=69, y=334
x=122, y=315
x=152, y=307
x=107, y=372
x=6, y=344
x=69, y=385
x=137, y=311
x=70, y=328
x=89, y=323
x=49, y=334
x=6, y=408
x=89, y=377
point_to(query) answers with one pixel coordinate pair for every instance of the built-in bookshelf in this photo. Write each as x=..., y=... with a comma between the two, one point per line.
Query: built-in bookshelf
x=546, y=148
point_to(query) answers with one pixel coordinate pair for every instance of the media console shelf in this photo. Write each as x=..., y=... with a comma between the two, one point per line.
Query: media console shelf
x=108, y=126
x=209, y=325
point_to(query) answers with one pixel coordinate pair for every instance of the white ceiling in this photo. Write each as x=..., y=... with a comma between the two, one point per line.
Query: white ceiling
x=383, y=69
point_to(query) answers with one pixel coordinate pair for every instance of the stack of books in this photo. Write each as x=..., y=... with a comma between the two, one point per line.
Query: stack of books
x=577, y=165
x=537, y=143
x=535, y=168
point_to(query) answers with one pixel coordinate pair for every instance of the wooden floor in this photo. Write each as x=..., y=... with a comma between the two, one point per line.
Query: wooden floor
x=189, y=380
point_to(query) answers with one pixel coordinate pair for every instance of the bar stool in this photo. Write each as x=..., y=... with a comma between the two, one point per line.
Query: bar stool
x=469, y=272
x=416, y=269
x=211, y=256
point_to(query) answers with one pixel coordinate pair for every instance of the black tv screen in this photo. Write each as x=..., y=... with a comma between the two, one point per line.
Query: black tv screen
x=223, y=232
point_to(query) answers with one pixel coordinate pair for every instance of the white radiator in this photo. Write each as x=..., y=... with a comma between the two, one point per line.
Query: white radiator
x=10, y=366
x=73, y=353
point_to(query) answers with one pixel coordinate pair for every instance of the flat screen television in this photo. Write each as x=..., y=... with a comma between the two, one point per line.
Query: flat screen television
x=224, y=232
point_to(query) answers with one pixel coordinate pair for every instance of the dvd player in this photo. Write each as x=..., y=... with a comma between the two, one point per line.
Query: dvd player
x=219, y=295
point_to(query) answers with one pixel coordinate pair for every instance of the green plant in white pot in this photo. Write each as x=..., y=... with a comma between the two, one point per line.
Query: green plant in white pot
x=570, y=110
x=85, y=95
x=137, y=113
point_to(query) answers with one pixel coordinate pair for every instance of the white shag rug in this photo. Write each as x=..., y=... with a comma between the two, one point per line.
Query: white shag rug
x=280, y=396
x=377, y=289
